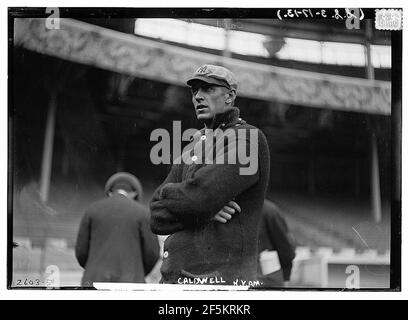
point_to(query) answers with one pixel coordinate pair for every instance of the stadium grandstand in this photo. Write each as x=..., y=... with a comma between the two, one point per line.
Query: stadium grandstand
x=85, y=98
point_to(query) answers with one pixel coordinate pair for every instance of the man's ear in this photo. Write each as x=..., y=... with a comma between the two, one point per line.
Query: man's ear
x=230, y=96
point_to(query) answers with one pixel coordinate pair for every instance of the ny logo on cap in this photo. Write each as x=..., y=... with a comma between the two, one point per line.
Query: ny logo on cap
x=202, y=70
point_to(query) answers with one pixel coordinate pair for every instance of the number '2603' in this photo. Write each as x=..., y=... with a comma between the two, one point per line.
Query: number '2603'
x=28, y=282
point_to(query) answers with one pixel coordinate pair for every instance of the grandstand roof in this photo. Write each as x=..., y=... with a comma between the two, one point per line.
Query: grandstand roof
x=112, y=50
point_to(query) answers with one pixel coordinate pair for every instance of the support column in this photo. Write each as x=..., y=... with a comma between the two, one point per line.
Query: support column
x=227, y=27
x=369, y=66
x=375, y=175
x=46, y=164
x=375, y=181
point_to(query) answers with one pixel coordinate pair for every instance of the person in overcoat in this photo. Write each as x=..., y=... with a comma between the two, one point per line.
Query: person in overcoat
x=114, y=241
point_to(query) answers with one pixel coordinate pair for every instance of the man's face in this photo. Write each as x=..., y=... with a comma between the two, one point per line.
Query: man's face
x=208, y=100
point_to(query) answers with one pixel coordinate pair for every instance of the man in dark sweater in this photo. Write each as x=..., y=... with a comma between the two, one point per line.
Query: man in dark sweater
x=114, y=242
x=210, y=206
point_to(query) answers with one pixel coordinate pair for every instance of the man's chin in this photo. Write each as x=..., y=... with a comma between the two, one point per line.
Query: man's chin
x=203, y=117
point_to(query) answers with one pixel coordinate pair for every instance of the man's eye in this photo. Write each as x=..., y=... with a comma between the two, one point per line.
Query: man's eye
x=204, y=89
x=209, y=89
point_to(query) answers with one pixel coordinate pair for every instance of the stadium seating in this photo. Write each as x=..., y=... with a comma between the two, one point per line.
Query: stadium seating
x=322, y=227
x=334, y=222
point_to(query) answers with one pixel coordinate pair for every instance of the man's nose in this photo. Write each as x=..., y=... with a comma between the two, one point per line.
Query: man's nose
x=198, y=95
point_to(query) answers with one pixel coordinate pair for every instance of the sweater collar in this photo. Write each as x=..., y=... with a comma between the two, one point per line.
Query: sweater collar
x=226, y=119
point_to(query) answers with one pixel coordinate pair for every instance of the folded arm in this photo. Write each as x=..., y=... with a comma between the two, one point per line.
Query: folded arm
x=163, y=221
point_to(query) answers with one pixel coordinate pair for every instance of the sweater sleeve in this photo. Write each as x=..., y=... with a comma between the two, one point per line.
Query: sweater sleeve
x=200, y=197
x=163, y=221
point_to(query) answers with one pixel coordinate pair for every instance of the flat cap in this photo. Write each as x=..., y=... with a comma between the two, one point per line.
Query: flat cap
x=126, y=180
x=215, y=75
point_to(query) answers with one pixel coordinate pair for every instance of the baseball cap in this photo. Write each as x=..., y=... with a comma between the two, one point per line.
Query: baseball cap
x=215, y=75
x=126, y=180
